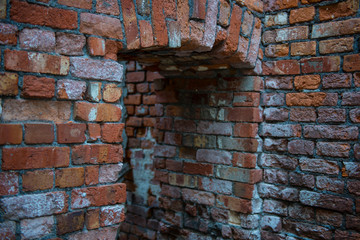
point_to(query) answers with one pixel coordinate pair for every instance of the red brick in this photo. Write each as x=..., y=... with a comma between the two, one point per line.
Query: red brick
x=69, y=177
x=199, y=197
x=39, y=133
x=199, y=9
x=245, y=129
x=96, y=154
x=92, y=220
x=112, y=48
x=9, y=183
x=355, y=115
x=36, y=62
x=133, y=99
x=85, y=4
x=307, y=82
x=246, y=99
x=91, y=175
x=35, y=110
x=302, y=15
x=8, y=84
x=337, y=81
x=338, y=10
x=303, y=48
x=351, y=63
x=320, y=64
x=135, y=77
x=101, y=112
x=44, y=16
x=239, y=174
x=70, y=44
x=273, y=5
x=336, y=45
x=7, y=228
x=159, y=24
x=204, y=127
x=71, y=132
x=198, y=169
x=279, y=83
x=35, y=87
x=98, y=196
x=213, y=156
x=94, y=131
x=303, y=147
x=37, y=180
x=149, y=99
x=277, y=50
x=306, y=230
x=130, y=24
x=277, y=130
x=107, y=233
x=142, y=87
x=185, y=125
x=319, y=166
x=311, y=99
x=99, y=25
x=273, y=99
x=37, y=40
x=108, y=7
x=146, y=34
x=276, y=114
x=23, y=158
x=246, y=114
x=333, y=149
x=70, y=89
x=10, y=134
x=8, y=34
x=165, y=151
x=336, y=28
x=134, y=121
x=330, y=184
x=96, y=46
x=244, y=160
x=234, y=204
x=281, y=67
x=288, y=34
x=112, y=132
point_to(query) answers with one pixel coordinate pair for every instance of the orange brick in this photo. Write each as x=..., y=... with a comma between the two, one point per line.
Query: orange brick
x=8, y=34
x=277, y=50
x=35, y=87
x=92, y=218
x=38, y=180
x=10, y=134
x=336, y=45
x=311, y=99
x=302, y=15
x=91, y=175
x=9, y=84
x=352, y=63
x=96, y=46
x=112, y=132
x=108, y=7
x=307, y=82
x=337, y=10
x=303, y=48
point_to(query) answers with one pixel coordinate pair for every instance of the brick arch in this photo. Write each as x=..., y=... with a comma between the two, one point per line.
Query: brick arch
x=216, y=30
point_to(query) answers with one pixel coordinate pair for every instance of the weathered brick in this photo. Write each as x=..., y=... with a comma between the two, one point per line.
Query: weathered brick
x=276, y=130
x=98, y=196
x=37, y=40
x=239, y=174
x=198, y=169
x=111, y=215
x=302, y=180
x=337, y=81
x=224, y=13
x=9, y=183
x=333, y=149
x=159, y=25
x=165, y=151
x=247, y=114
x=130, y=24
x=91, y=175
x=146, y=34
x=69, y=222
x=329, y=217
x=275, y=206
x=330, y=184
x=351, y=98
x=327, y=201
x=181, y=180
x=336, y=45
x=213, y=128
x=306, y=230
x=96, y=69
x=303, y=147
x=355, y=115
x=70, y=89
x=307, y=82
x=331, y=132
x=311, y=99
x=96, y=46
x=332, y=115
x=35, y=110
x=34, y=205
x=281, y=67
x=291, y=33
x=240, y=144
x=2, y=16
x=277, y=50
x=9, y=84
x=319, y=166
x=108, y=7
x=351, y=169
x=320, y=64
x=276, y=20
x=351, y=63
x=336, y=28
x=69, y=177
x=8, y=34
x=234, y=204
x=302, y=15
x=279, y=83
x=273, y=5
x=92, y=218
x=213, y=156
x=101, y=112
x=41, y=15
x=99, y=25
x=107, y=233
x=37, y=180
x=35, y=87
x=31, y=157
x=85, y=4
x=278, y=161
x=272, y=99
x=245, y=130
x=303, y=48
x=36, y=62
x=96, y=154
x=215, y=185
x=111, y=132
x=93, y=91
x=70, y=44
x=279, y=145
x=278, y=192
x=36, y=228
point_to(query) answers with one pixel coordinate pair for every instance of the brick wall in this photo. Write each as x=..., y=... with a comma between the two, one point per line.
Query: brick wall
x=310, y=132
x=239, y=121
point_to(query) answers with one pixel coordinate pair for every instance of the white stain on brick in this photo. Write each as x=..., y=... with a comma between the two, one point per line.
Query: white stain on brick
x=36, y=228
x=92, y=114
